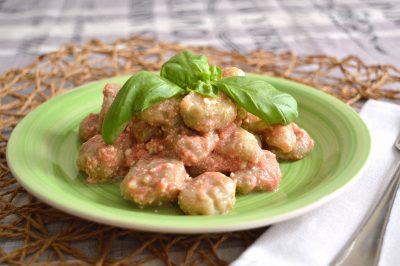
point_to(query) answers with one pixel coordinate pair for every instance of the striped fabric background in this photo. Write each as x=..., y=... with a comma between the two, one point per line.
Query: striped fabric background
x=369, y=28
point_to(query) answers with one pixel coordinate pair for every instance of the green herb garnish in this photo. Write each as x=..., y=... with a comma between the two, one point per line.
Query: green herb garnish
x=192, y=73
x=187, y=72
x=260, y=98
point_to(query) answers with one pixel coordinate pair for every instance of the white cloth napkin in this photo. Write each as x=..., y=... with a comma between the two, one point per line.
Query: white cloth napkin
x=315, y=238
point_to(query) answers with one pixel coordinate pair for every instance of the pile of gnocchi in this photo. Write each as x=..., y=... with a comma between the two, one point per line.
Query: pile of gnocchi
x=193, y=150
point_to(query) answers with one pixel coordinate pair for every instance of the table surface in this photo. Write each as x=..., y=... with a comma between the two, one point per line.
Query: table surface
x=368, y=29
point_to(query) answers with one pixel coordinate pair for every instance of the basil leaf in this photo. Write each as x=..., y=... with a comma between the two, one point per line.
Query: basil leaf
x=260, y=98
x=139, y=92
x=185, y=69
x=215, y=73
x=205, y=88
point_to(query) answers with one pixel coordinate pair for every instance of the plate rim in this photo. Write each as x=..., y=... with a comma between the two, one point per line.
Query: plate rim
x=174, y=229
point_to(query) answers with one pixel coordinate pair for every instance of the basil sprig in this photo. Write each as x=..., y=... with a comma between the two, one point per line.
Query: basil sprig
x=185, y=69
x=139, y=92
x=192, y=73
x=187, y=72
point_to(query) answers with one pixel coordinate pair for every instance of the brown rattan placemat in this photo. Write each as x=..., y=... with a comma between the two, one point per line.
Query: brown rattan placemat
x=32, y=232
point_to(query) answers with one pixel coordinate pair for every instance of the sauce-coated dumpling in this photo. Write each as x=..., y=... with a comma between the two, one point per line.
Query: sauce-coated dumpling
x=208, y=193
x=154, y=181
x=164, y=113
x=89, y=127
x=102, y=162
x=194, y=149
x=110, y=91
x=206, y=114
x=281, y=137
x=232, y=72
x=262, y=176
x=141, y=131
x=238, y=142
x=303, y=145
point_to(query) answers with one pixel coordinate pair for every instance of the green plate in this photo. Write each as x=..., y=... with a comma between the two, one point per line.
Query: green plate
x=43, y=147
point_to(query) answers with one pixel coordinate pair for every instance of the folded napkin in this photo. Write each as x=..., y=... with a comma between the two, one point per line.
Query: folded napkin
x=316, y=237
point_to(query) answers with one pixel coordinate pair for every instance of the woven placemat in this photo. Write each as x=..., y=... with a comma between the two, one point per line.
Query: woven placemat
x=32, y=232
